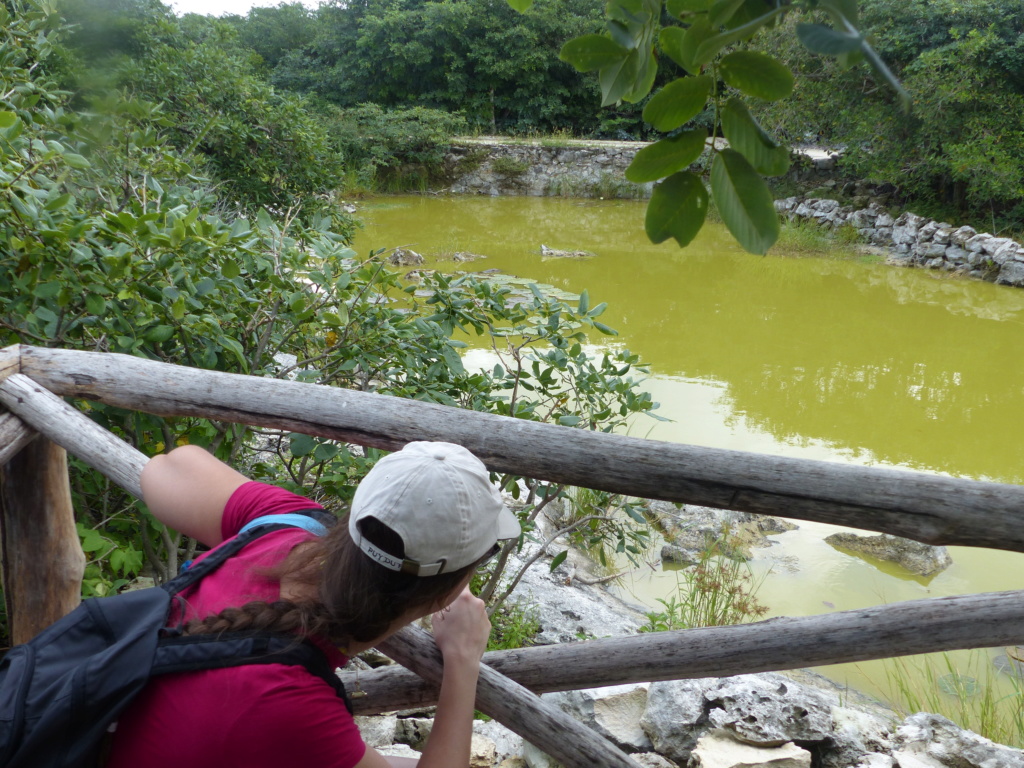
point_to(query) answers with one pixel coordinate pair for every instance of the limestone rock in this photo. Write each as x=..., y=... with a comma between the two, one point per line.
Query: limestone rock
x=977, y=243
x=875, y=760
x=377, y=730
x=675, y=715
x=922, y=559
x=483, y=752
x=399, y=750
x=719, y=749
x=961, y=235
x=930, y=250
x=613, y=711
x=1011, y=273
x=556, y=253
x=856, y=735
x=670, y=553
x=534, y=758
x=956, y=255
x=404, y=257
x=930, y=741
x=692, y=527
x=507, y=744
x=464, y=256
x=769, y=710
x=995, y=244
x=413, y=731
x=513, y=762
x=651, y=760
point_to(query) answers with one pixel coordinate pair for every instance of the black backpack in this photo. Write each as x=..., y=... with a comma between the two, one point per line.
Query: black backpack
x=61, y=691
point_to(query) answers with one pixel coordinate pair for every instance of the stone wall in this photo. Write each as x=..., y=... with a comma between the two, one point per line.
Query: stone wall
x=583, y=170
x=915, y=241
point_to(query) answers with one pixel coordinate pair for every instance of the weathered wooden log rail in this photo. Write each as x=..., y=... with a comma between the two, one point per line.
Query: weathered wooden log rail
x=37, y=519
x=928, y=508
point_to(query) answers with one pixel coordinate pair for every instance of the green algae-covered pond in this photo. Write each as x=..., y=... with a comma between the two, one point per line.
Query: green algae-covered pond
x=828, y=356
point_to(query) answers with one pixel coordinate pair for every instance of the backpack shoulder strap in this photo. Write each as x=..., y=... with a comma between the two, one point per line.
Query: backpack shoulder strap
x=313, y=520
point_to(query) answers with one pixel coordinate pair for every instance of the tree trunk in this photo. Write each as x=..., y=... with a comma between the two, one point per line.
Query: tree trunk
x=43, y=562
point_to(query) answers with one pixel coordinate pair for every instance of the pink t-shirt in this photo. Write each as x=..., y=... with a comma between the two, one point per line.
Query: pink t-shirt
x=259, y=716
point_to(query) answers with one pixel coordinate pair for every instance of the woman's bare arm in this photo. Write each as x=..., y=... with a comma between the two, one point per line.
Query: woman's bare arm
x=187, y=490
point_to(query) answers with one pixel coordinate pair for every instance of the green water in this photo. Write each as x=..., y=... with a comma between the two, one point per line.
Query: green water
x=836, y=358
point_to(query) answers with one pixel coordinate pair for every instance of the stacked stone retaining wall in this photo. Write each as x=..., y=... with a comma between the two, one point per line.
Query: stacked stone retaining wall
x=536, y=170
x=916, y=241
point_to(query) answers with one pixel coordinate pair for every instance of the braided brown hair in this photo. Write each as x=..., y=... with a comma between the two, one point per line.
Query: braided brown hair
x=357, y=599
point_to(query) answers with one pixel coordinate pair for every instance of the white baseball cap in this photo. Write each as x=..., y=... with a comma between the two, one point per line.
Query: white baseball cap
x=439, y=499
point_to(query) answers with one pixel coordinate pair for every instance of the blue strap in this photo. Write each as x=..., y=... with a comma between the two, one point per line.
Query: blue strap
x=305, y=522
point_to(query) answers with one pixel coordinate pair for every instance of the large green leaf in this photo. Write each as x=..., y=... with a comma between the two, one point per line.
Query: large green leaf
x=648, y=71
x=677, y=209
x=680, y=8
x=520, y=5
x=750, y=140
x=618, y=79
x=710, y=47
x=665, y=157
x=817, y=38
x=722, y=11
x=592, y=52
x=678, y=102
x=671, y=41
x=756, y=74
x=744, y=202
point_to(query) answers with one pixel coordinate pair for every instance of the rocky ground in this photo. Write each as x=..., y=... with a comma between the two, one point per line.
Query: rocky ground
x=777, y=720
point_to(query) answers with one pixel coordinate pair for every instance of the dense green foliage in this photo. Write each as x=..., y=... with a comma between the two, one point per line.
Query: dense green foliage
x=711, y=42
x=394, y=149
x=961, y=149
x=497, y=68
x=113, y=239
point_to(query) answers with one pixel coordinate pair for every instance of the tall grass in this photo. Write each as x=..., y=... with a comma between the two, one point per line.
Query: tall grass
x=966, y=689
x=718, y=591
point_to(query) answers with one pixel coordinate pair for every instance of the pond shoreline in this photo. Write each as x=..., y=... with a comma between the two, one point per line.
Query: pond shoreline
x=498, y=166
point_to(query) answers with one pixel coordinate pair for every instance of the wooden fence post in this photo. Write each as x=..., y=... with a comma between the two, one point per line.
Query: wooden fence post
x=43, y=562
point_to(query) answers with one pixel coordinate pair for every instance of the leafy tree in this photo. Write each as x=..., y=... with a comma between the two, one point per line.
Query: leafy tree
x=475, y=57
x=274, y=31
x=710, y=41
x=963, y=63
x=111, y=239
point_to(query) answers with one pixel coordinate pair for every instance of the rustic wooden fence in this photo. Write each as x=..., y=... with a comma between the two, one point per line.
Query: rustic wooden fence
x=42, y=560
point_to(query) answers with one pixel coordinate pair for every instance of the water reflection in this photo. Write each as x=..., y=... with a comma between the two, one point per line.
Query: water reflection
x=881, y=364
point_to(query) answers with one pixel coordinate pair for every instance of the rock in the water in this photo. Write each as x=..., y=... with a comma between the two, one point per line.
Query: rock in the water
x=613, y=711
x=463, y=256
x=404, y=257
x=719, y=749
x=922, y=559
x=925, y=740
x=670, y=553
x=675, y=716
x=556, y=253
x=691, y=529
x=769, y=710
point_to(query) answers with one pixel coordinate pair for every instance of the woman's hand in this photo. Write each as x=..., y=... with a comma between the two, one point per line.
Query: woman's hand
x=461, y=630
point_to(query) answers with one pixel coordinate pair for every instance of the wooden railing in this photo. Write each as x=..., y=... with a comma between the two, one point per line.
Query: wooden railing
x=43, y=562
